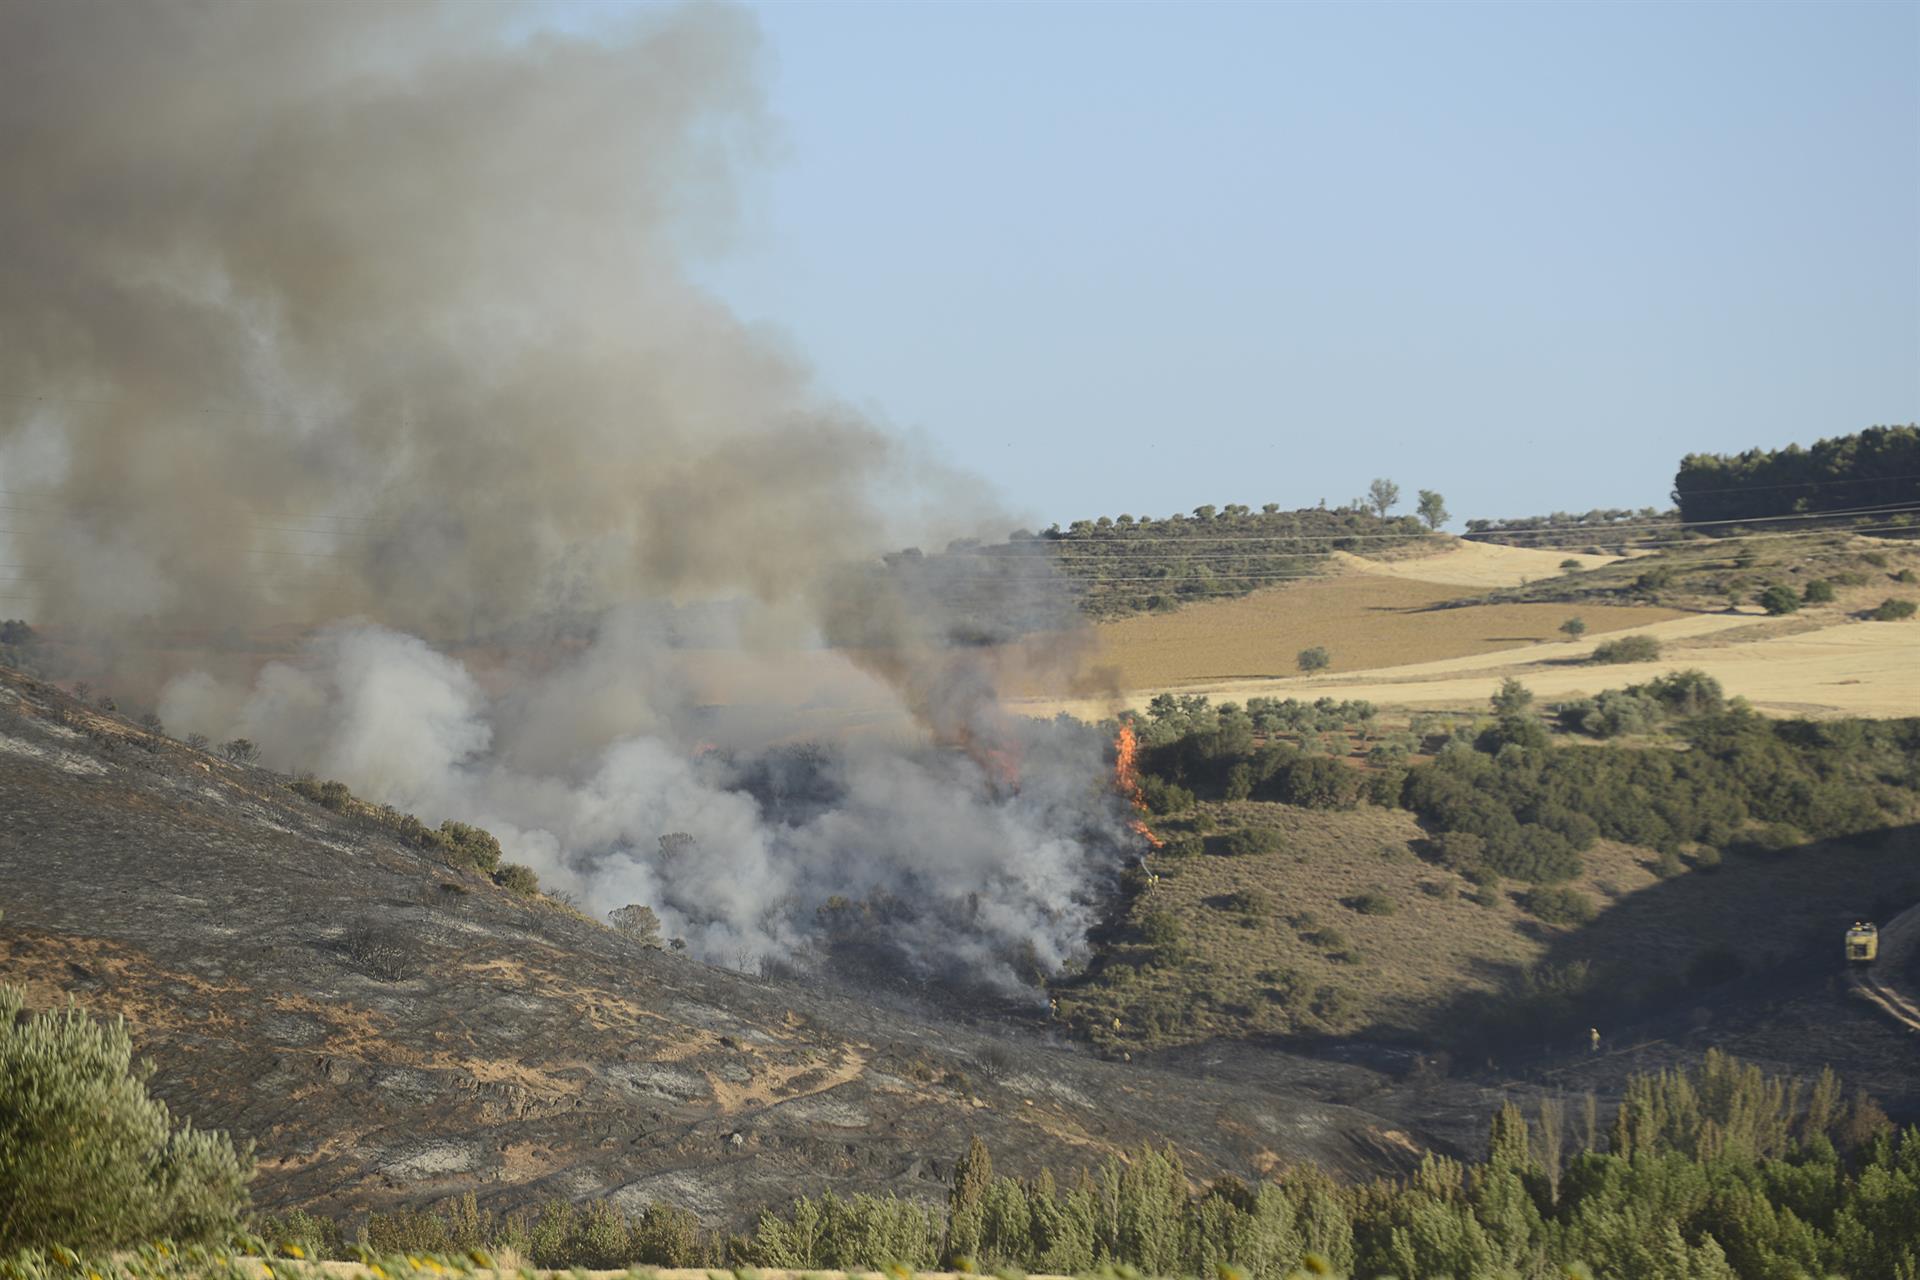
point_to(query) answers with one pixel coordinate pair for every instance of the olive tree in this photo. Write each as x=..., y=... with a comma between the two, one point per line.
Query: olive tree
x=87, y=1158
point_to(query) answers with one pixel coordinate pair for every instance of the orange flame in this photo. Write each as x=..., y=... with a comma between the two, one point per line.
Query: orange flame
x=1126, y=779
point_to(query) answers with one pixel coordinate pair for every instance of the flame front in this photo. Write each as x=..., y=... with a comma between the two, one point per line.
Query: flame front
x=1126, y=778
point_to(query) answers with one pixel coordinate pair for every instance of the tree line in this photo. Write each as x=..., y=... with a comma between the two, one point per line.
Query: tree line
x=1878, y=467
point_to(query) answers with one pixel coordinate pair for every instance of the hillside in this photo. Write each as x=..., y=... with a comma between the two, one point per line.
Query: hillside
x=392, y=1030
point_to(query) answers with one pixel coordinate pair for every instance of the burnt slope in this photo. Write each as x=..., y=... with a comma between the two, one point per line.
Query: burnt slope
x=509, y=1045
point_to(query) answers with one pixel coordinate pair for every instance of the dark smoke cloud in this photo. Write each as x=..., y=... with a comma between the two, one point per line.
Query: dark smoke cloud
x=371, y=320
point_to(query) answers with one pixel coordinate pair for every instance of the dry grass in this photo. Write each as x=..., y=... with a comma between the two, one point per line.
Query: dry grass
x=1266, y=972
x=1363, y=620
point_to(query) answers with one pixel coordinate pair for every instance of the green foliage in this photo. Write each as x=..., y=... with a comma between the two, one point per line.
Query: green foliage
x=1819, y=591
x=1432, y=508
x=87, y=1157
x=328, y=795
x=1867, y=469
x=1251, y=840
x=1644, y=708
x=1627, y=649
x=1779, y=598
x=1384, y=495
x=468, y=846
x=1558, y=906
x=1824, y=778
x=1892, y=610
x=515, y=878
x=1315, y=659
x=1374, y=902
x=638, y=922
x=1573, y=628
x=1160, y=931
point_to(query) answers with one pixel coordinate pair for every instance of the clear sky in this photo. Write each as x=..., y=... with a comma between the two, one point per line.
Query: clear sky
x=1141, y=257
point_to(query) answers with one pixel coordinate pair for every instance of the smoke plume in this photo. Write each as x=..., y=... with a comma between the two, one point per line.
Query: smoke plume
x=370, y=324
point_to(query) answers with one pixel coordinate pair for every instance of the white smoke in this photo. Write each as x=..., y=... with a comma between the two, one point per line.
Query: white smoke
x=969, y=869
x=377, y=311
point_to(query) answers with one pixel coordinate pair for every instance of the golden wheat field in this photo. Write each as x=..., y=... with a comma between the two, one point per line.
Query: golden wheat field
x=1363, y=620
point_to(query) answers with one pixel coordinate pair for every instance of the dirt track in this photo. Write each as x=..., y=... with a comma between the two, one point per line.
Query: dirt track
x=1885, y=982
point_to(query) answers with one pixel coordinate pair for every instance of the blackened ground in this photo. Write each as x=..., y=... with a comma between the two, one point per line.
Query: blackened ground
x=391, y=1031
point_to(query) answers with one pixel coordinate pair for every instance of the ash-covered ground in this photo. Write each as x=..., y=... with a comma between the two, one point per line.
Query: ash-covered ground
x=390, y=1030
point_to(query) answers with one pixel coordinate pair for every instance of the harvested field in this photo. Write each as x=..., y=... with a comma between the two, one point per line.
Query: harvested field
x=1364, y=620
x=1473, y=564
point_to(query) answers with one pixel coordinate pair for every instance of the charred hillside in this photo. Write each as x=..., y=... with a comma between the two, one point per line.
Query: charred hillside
x=391, y=1030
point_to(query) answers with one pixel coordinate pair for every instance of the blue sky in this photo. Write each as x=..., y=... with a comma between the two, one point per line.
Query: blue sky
x=1141, y=257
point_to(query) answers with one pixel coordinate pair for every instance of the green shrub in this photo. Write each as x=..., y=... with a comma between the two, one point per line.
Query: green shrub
x=1892, y=610
x=1573, y=628
x=1905, y=575
x=1251, y=902
x=1779, y=598
x=468, y=846
x=328, y=795
x=1252, y=840
x=87, y=1157
x=517, y=879
x=1163, y=797
x=1558, y=906
x=1315, y=659
x=1374, y=902
x=1185, y=844
x=1819, y=591
x=1627, y=649
x=1317, y=782
x=1160, y=930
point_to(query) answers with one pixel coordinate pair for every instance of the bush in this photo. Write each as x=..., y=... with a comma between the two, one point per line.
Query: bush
x=1627, y=649
x=328, y=795
x=1573, y=628
x=1252, y=840
x=1161, y=932
x=87, y=1157
x=638, y=922
x=1892, y=610
x=1374, y=902
x=1250, y=902
x=1317, y=782
x=515, y=878
x=1163, y=797
x=1905, y=575
x=1458, y=850
x=469, y=846
x=1778, y=599
x=240, y=750
x=1819, y=591
x=1558, y=906
x=385, y=954
x=1315, y=659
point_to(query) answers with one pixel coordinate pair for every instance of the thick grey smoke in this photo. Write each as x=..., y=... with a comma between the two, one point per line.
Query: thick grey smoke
x=369, y=323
